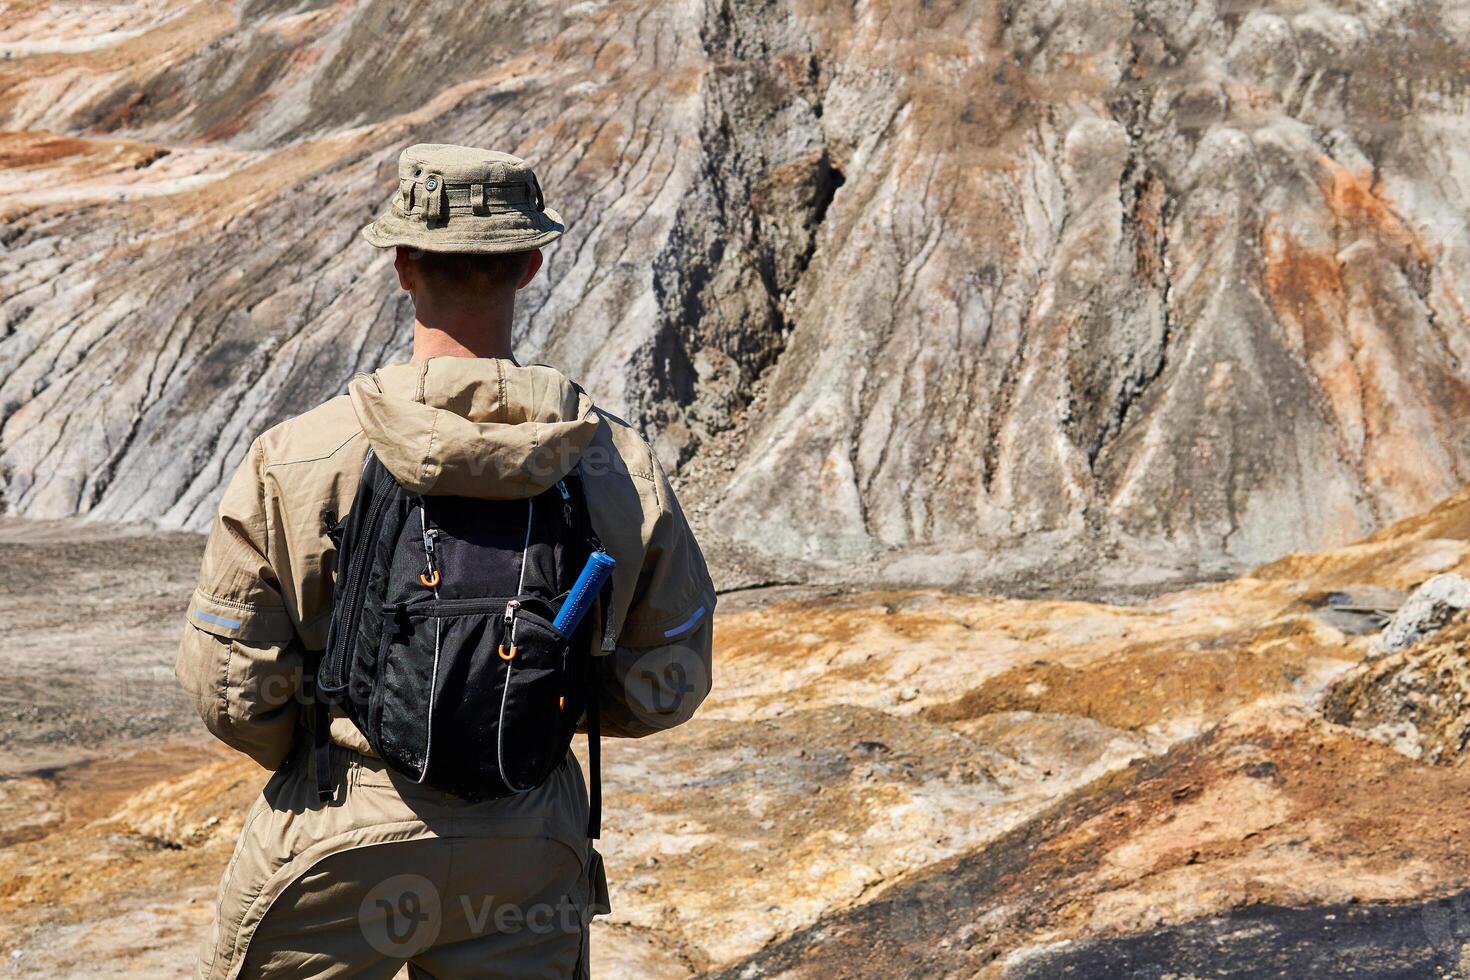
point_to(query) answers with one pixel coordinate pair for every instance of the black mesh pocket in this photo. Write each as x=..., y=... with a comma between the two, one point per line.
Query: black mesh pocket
x=534, y=727
x=468, y=684
x=473, y=696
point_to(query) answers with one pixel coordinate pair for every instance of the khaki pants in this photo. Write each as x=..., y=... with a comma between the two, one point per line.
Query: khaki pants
x=390, y=874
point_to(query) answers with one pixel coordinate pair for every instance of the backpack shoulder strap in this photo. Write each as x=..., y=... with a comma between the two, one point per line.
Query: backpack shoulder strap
x=574, y=497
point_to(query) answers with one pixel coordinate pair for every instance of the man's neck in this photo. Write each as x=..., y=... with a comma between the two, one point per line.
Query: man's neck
x=445, y=334
x=432, y=342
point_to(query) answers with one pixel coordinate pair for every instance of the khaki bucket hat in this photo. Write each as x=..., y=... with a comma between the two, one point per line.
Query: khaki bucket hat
x=461, y=199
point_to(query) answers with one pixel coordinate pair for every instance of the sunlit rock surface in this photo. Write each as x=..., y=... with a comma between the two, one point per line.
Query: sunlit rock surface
x=904, y=783
x=1074, y=292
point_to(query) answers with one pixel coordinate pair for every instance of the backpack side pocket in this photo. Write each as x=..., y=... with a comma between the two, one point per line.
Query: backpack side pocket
x=534, y=731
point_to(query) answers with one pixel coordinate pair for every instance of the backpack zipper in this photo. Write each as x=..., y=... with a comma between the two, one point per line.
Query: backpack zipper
x=428, y=535
x=566, y=502
x=508, y=630
x=510, y=627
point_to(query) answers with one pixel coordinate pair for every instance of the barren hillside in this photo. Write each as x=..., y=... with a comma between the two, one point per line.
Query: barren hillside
x=894, y=784
x=933, y=292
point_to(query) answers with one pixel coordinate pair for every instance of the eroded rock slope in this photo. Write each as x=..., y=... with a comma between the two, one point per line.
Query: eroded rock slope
x=935, y=291
x=902, y=783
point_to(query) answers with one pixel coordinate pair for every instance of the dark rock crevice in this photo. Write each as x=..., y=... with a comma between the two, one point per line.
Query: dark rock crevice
x=747, y=234
x=1116, y=393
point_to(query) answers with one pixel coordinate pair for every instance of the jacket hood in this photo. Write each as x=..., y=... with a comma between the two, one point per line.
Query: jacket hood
x=474, y=427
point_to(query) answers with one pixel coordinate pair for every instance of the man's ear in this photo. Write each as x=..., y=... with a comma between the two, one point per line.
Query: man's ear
x=533, y=266
x=405, y=268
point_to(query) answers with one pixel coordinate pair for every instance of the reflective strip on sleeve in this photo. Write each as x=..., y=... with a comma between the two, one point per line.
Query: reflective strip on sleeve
x=688, y=624
x=240, y=620
x=229, y=624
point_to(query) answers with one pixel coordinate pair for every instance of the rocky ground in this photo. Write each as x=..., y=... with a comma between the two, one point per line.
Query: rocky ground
x=1214, y=782
x=87, y=618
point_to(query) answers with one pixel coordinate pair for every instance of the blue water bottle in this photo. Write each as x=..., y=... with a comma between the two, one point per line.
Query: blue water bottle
x=599, y=566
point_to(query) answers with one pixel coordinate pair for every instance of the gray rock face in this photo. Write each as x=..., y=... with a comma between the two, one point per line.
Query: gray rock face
x=931, y=291
x=1427, y=610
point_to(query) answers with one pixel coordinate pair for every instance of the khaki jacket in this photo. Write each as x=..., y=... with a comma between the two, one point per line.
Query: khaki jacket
x=461, y=426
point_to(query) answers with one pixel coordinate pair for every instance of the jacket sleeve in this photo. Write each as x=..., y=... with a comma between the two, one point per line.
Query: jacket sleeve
x=240, y=661
x=660, y=670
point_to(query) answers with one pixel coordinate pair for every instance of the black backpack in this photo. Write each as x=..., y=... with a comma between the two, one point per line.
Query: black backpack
x=442, y=649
